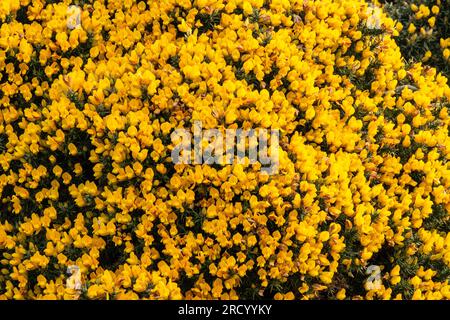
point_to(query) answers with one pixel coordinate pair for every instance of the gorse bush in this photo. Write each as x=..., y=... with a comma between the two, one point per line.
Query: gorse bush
x=426, y=31
x=93, y=207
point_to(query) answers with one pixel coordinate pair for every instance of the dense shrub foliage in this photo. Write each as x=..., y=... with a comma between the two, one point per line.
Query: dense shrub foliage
x=426, y=33
x=86, y=177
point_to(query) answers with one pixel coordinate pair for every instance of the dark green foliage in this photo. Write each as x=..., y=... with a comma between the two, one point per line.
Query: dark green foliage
x=414, y=46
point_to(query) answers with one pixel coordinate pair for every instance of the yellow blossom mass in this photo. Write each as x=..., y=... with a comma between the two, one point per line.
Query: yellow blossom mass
x=93, y=207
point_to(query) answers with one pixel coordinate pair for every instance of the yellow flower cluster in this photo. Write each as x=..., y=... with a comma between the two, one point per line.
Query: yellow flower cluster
x=425, y=36
x=423, y=12
x=92, y=205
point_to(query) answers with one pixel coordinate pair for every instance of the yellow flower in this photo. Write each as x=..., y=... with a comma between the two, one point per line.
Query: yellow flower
x=341, y=294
